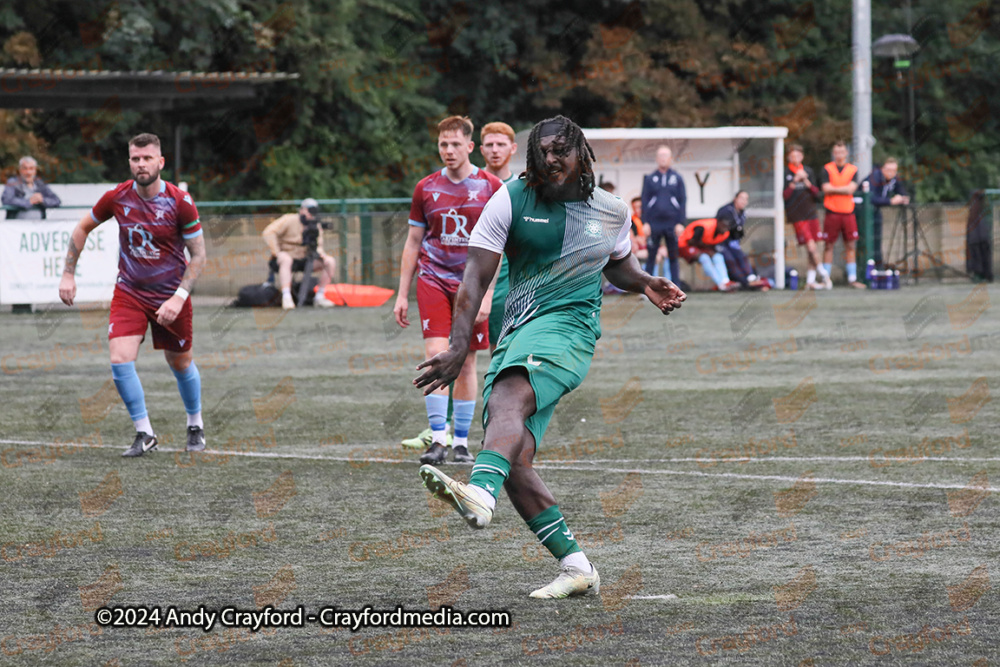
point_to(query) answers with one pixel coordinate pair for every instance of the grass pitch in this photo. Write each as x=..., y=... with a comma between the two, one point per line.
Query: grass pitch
x=761, y=479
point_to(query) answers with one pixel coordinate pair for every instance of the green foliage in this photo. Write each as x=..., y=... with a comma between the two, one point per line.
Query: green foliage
x=376, y=76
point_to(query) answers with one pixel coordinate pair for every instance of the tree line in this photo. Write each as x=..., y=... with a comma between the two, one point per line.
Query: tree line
x=376, y=75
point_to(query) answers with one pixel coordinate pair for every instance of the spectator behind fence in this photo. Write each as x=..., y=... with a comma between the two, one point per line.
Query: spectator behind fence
x=699, y=241
x=637, y=232
x=733, y=217
x=284, y=236
x=886, y=190
x=664, y=206
x=801, y=195
x=29, y=194
x=839, y=180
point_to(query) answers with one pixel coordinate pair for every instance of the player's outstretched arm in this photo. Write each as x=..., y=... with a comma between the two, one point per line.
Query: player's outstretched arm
x=171, y=308
x=625, y=274
x=442, y=369
x=67, y=284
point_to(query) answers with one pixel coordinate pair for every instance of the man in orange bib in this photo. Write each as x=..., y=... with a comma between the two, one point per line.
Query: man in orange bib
x=839, y=180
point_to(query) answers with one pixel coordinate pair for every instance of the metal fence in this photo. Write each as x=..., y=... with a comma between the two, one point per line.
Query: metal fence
x=366, y=236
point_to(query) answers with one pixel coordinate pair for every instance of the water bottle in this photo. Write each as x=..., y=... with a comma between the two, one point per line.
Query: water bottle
x=869, y=268
x=793, y=279
x=878, y=279
x=895, y=280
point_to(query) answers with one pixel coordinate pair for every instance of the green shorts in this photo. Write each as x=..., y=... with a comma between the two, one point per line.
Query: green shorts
x=500, y=291
x=556, y=350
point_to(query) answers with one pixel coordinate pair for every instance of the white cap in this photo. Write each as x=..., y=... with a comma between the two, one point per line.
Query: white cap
x=309, y=202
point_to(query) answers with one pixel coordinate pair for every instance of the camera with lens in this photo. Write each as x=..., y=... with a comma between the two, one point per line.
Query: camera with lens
x=311, y=225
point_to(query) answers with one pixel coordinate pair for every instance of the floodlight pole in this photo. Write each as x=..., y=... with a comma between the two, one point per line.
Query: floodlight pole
x=862, y=85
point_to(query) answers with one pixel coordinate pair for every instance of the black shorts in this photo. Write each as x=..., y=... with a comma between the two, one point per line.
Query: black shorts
x=297, y=264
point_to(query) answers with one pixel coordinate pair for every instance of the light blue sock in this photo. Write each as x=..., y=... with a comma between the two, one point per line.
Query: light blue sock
x=852, y=272
x=437, y=408
x=130, y=389
x=189, y=384
x=665, y=270
x=463, y=417
x=827, y=268
x=720, y=266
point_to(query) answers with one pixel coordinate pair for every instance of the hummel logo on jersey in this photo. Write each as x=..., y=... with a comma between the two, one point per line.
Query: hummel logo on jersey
x=568, y=534
x=435, y=195
x=528, y=218
x=427, y=324
x=127, y=209
x=532, y=361
x=490, y=488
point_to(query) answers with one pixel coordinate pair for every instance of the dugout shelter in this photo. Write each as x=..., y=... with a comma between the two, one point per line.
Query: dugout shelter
x=715, y=163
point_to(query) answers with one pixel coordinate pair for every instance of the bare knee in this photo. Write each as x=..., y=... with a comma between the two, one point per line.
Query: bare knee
x=179, y=361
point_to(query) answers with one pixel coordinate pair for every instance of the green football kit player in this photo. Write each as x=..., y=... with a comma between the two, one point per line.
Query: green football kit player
x=559, y=235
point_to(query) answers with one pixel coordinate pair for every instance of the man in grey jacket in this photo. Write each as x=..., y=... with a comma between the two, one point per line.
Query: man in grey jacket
x=664, y=205
x=30, y=195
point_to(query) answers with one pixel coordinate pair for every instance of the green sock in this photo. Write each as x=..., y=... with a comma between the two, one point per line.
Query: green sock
x=550, y=527
x=489, y=471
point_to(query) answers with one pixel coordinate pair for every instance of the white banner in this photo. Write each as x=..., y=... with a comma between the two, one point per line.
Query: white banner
x=32, y=253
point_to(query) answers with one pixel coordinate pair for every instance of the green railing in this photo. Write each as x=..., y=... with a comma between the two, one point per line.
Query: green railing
x=342, y=208
x=366, y=209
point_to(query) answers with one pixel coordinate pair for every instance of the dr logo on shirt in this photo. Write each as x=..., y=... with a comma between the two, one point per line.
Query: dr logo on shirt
x=144, y=249
x=453, y=231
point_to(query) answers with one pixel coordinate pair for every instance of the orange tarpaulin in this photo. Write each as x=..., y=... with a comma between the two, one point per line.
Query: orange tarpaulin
x=357, y=296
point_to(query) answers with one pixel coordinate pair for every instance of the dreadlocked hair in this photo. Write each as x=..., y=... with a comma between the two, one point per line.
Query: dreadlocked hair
x=535, y=169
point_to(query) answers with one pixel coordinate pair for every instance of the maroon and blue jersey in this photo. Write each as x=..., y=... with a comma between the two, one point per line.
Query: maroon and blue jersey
x=449, y=212
x=151, y=235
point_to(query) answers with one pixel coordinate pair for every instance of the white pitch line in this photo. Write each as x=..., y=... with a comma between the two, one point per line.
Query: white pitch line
x=538, y=462
x=781, y=478
x=832, y=459
x=669, y=596
x=692, y=473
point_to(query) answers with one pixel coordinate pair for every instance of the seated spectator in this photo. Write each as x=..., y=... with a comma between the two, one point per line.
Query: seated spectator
x=284, y=236
x=27, y=193
x=733, y=218
x=699, y=241
x=637, y=233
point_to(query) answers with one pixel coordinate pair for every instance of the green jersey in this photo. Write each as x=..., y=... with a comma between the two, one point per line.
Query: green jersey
x=556, y=252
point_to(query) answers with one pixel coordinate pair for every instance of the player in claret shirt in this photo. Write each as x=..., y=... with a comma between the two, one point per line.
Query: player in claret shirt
x=156, y=222
x=445, y=208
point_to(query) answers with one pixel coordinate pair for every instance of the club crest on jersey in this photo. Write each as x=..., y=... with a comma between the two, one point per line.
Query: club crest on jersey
x=140, y=243
x=159, y=214
x=593, y=228
x=453, y=231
